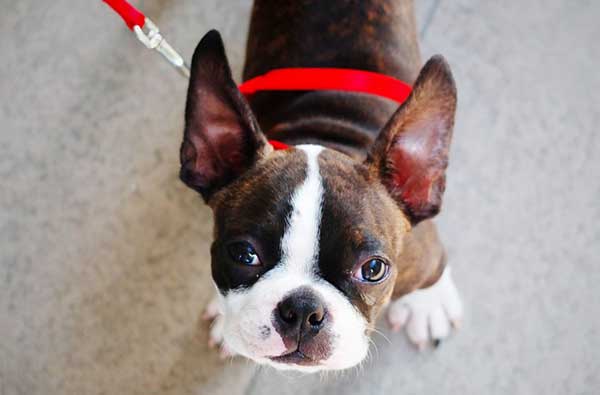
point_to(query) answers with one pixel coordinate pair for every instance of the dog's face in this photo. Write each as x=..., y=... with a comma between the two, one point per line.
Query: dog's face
x=308, y=241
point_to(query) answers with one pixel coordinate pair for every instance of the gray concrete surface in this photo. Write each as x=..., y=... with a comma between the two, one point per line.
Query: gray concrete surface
x=104, y=254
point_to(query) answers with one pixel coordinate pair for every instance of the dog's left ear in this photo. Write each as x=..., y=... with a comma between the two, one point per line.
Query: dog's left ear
x=222, y=138
x=410, y=155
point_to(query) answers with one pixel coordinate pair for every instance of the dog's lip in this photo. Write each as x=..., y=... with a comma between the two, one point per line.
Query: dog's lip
x=296, y=357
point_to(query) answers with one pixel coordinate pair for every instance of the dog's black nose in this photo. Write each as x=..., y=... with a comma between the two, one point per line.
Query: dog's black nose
x=299, y=313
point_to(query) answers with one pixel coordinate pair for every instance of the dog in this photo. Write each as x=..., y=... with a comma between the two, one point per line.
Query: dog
x=311, y=243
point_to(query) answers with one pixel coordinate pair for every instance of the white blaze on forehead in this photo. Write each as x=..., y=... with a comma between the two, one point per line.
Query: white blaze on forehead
x=300, y=243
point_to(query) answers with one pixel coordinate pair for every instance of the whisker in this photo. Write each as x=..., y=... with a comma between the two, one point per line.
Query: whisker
x=380, y=333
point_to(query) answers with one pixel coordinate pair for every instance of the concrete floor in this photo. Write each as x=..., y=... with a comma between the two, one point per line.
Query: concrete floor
x=104, y=253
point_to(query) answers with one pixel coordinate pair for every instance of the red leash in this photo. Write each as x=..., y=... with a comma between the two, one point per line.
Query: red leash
x=131, y=15
x=285, y=79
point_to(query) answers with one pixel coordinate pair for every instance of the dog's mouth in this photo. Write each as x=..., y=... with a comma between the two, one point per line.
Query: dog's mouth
x=296, y=357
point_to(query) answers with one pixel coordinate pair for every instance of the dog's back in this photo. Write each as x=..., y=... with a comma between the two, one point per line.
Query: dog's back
x=373, y=35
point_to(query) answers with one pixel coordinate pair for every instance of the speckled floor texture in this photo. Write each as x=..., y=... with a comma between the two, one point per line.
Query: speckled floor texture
x=104, y=260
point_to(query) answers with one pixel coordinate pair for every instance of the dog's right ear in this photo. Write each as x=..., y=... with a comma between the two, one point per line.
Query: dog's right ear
x=222, y=138
x=410, y=155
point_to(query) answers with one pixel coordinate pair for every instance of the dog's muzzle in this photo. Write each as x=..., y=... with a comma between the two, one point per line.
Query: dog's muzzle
x=302, y=321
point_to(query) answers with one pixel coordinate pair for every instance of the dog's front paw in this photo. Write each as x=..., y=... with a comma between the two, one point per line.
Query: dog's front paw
x=428, y=313
x=215, y=336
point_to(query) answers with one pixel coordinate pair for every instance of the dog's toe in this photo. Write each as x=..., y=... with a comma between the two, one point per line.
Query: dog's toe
x=216, y=331
x=212, y=310
x=397, y=315
x=416, y=329
x=439, y=325
x=452, y=304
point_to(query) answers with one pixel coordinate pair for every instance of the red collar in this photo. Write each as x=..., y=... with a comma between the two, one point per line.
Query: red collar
x=309, y=79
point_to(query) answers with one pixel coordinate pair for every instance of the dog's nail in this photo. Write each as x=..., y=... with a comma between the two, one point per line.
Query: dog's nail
x=437, y=342
x=421, y=346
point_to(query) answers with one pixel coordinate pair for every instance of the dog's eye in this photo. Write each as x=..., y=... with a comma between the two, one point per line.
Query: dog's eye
x=243, y=253
x=374, y=270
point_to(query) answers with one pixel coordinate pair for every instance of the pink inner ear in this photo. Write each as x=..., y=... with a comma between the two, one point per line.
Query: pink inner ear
x=222, y=137
x=418, y=191
x=219, y=135
x=219, y=152
x=411, y=153
x=417, y=161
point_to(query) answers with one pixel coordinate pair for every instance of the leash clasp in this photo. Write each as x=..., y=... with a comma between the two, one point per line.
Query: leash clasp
x=152, y=39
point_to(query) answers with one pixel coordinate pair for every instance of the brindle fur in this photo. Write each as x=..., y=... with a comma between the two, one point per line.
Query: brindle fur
x=373, y=35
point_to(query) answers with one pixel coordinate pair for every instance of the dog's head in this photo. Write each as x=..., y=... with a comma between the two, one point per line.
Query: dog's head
x=307, y=241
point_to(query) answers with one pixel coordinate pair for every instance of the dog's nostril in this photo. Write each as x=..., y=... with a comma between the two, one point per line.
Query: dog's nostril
x=287, y=313
x=316, y=318
x=289, y=317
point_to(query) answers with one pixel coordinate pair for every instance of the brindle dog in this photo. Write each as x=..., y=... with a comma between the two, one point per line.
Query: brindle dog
x=311, y=243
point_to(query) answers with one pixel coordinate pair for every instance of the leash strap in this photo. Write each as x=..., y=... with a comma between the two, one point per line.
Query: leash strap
x=131, y=16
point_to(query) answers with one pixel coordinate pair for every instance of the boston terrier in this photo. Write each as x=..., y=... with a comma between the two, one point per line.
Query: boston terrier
x=313, y=242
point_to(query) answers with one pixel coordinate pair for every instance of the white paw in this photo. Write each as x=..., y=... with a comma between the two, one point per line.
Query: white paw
x=429, y=313
x=215, y=336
